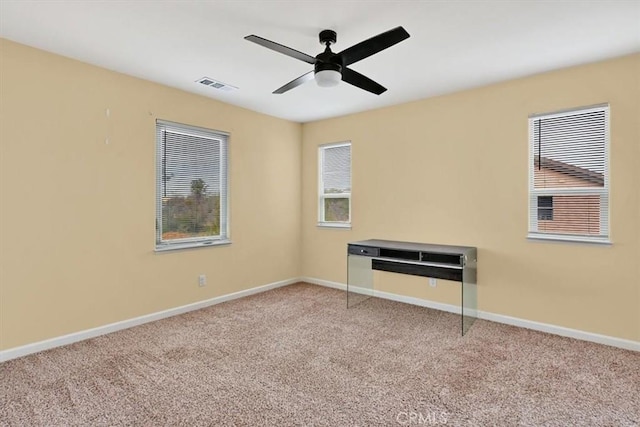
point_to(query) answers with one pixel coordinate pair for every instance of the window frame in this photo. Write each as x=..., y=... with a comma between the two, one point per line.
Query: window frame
x=322, y=197
x=533, y=193
x=223, y=170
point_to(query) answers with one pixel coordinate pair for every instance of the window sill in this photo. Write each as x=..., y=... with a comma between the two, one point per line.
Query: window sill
x=191, y=245
x=569, y=239
x=343, y=225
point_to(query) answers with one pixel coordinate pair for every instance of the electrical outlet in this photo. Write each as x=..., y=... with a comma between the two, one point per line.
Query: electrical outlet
x=202, y=280
x=432, y=282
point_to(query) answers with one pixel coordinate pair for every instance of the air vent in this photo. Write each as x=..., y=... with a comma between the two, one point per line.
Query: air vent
x=208, y=81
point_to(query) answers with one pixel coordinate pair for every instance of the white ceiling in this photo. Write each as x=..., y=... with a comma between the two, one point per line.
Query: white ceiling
x=454, y=45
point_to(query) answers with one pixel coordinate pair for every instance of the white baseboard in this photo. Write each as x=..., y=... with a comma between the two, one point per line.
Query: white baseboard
x=24, y=350
x=16, y=352
x=499, y=318
x=561, y=330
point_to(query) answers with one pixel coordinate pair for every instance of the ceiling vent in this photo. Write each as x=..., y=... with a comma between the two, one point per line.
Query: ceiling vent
x=216, y=84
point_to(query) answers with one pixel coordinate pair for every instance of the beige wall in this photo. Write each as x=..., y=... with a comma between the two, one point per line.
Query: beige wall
x=453, y=170
x=77, y=215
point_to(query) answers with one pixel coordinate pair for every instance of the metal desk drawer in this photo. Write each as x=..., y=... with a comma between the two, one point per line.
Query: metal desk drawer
x=364, y=250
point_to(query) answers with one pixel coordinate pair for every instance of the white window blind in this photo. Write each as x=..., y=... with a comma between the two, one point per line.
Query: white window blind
x=334, y=206
x=191, y=183
x=569, y=175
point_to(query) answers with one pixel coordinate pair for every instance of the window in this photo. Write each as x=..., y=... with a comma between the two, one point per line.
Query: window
x=191, y=183
x=569, y=176
x=334, y=202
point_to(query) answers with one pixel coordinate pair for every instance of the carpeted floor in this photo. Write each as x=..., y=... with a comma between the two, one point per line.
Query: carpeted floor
x=297, y=356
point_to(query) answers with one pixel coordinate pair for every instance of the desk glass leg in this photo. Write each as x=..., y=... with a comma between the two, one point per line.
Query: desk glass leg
x=359, y=279
x=469, y=298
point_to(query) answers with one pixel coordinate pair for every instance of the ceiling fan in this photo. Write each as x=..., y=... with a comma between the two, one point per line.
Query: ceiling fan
x=329, y=67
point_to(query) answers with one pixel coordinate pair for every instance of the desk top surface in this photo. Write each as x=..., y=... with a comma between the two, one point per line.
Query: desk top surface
x=412, y=246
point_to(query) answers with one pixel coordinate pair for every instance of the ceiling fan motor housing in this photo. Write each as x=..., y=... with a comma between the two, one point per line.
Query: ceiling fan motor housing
x=329, y=65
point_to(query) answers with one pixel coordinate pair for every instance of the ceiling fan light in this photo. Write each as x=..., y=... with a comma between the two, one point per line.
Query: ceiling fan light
x=328, y=78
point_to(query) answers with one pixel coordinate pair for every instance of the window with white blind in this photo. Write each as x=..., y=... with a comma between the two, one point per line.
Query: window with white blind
x=569, y=175
x=191, y=186
x=334, y=185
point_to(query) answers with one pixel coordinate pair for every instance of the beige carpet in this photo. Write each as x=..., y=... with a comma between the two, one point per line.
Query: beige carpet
x=297, y=356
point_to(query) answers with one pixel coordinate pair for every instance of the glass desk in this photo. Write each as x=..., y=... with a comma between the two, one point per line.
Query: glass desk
x=455, y=263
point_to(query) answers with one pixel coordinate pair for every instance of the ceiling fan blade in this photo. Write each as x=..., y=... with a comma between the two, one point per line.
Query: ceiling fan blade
x=373, y=45
x=295, y=83
x=363, y=82
x=282, y=49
